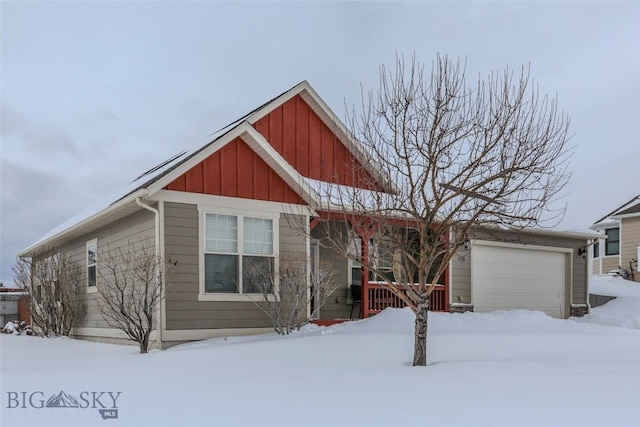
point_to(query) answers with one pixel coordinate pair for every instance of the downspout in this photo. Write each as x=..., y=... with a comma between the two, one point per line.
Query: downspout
x=158, y=254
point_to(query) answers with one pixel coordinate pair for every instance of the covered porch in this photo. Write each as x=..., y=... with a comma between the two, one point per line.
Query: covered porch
x=367, y=292
x=377, y=296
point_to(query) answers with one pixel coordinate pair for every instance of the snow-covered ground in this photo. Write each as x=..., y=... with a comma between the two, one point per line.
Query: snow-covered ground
x=515, y=368
x=624, y=311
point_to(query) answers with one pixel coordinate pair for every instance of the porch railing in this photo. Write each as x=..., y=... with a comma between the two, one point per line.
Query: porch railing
x=381, y=297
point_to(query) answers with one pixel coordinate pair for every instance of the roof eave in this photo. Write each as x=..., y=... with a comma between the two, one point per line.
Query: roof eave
x=628, y=215
x=607, y=222
x=84, y=224
x=568, y=233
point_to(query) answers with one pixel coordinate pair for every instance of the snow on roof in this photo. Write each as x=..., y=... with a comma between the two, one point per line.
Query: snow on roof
x=110, y=200
x=332, y=196
x=337, y=196
x=577, y=233
x=138, y=188
x=128, y=193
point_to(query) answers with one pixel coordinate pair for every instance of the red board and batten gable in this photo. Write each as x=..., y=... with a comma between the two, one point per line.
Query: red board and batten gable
x=304, y=141
x=236, y=171
x=311, y=147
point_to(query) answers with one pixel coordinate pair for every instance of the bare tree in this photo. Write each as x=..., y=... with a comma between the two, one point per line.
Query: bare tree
x=50, y=280
x=458, y=159
x=288, y=289
x=131, y=281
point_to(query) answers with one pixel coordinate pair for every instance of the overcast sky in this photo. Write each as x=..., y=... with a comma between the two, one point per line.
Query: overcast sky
x=94, y=93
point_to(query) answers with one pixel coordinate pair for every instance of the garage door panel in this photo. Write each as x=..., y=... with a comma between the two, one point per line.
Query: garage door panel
x=504, y=278
x=521, y=274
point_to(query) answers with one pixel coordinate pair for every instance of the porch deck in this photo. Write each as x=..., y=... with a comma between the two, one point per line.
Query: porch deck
x=377, y=296
x=381, y=297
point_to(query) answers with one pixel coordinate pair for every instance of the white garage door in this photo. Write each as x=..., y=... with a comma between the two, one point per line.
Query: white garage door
x=510, y=277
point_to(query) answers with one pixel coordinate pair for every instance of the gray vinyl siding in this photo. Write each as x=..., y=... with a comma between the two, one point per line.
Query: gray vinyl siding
x=183, y=310
x=461, y=277
x=461, y=264
x=131, y=229
x=293, y=242
x=338, y=304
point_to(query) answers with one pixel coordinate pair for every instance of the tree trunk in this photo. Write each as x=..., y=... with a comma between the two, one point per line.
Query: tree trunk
x=144, y=345
x=420, y=347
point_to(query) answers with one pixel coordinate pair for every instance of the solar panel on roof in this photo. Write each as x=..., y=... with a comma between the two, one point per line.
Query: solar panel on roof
x=161, y=165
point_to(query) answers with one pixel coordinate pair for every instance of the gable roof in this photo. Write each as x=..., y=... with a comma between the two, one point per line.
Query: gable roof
x=633, y=209
x=123, y=201
x=630, y=207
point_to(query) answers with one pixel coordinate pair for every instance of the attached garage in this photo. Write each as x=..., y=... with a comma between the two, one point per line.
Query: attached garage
x=506, y=276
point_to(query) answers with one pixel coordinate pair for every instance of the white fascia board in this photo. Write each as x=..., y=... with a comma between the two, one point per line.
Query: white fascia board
x=85, y=222
x=609, y=222
x=562, y=233
x=624, y=216
x=253, y=118
x=574, y=234
x=499, y=244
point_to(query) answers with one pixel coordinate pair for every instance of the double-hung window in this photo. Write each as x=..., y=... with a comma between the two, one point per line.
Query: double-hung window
x=380, y=259
x=238, y=254
x=612, y=244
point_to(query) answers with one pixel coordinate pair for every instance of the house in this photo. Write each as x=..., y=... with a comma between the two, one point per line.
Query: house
x=621, y=247
x=237, y=196
x=12, y=306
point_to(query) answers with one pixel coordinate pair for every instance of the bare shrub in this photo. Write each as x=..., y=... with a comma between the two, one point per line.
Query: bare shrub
x=131, y=281
x=287, y=290
x=50, y=280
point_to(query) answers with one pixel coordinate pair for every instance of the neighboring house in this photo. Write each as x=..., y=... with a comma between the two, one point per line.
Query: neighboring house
x=621, y=248
x=236, y=198
x=10, y=305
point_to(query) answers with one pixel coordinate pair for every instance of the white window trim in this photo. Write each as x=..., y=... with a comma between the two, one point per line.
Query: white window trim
x=92, y=242
x=240, y=214
x=618, y=255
